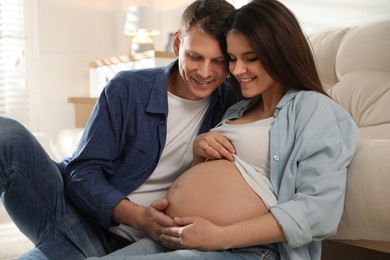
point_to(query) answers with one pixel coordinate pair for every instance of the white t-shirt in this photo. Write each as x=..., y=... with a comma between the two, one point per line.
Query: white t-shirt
x=184, y=120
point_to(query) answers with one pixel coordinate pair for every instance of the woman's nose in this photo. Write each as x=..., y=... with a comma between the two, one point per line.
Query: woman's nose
x=238, y=68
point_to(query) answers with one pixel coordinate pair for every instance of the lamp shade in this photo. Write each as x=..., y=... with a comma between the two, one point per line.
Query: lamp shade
x=141, y=20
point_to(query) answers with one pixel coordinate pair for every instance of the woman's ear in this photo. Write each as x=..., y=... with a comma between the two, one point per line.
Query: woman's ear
x=176, y=43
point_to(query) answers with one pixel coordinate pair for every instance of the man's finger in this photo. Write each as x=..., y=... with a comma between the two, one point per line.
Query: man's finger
x=160, y=205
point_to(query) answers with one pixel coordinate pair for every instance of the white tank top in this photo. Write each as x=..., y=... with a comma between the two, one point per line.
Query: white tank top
x=251, y=142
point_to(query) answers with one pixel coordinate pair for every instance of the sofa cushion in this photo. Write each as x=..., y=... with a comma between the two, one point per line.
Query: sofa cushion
x=325, y=46
x=364, y=48
x=366, y=95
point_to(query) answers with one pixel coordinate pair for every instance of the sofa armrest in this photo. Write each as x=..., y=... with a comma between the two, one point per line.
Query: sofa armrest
x=367, y=209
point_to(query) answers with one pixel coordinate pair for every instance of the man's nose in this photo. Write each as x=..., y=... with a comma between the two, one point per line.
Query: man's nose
x=205, y=69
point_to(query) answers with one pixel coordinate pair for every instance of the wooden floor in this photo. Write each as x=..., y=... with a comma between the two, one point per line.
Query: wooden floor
x=332, y=250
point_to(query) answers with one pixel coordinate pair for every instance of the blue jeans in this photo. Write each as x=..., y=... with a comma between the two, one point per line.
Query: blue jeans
x=32, y=190
x=146, y=248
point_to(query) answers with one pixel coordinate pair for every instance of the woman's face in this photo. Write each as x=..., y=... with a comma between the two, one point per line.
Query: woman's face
x=246, y=67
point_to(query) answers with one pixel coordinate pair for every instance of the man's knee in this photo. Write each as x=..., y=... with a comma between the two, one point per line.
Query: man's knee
x=12, y=131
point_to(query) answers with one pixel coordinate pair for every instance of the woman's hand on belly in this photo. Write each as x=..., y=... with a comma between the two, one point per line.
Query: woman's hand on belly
x=200, y=234
x=195, y=233
x=212, y=145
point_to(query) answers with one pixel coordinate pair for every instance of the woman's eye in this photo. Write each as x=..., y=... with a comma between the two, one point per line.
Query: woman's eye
x=231, y=59
x=252, y=59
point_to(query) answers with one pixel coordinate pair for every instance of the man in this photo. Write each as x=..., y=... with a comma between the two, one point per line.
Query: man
x=137, y=141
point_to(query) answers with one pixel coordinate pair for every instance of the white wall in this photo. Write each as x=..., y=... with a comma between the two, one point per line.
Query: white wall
x=321, y=15
x=64, y=36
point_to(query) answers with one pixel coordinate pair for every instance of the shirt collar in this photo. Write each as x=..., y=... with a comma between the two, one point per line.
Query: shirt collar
x=285, y=99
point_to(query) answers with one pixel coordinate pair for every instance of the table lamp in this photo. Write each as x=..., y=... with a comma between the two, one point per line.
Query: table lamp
x=139, y=23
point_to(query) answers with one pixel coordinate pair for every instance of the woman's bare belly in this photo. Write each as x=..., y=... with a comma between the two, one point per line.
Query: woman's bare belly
x=216, y=191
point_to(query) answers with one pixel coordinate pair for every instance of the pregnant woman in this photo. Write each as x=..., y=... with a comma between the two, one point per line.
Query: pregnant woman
x=269, y=181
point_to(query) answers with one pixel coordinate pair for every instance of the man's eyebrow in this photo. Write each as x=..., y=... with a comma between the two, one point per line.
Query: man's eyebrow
x=194, y=53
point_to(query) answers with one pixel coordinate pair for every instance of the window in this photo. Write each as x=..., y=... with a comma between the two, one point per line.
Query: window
x=13, y=89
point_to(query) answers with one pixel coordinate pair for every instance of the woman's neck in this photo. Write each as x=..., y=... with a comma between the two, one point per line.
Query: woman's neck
x=266, y=105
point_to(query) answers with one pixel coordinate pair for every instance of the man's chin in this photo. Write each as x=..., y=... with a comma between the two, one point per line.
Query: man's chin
x=202, y=95
x=203, y=92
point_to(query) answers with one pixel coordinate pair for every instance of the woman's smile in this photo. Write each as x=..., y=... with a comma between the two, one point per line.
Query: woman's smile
x=246, y=80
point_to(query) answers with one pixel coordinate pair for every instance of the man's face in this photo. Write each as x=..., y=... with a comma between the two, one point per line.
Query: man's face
x=202, y=65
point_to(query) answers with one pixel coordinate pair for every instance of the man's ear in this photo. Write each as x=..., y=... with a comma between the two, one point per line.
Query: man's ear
x=176, y=43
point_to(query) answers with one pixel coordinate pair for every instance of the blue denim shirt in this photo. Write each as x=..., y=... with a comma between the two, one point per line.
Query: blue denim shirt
x=312, y=141
x=124, y=138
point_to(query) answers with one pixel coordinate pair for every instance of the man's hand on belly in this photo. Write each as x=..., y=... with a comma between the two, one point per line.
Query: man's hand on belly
x=193, y=233
x=155, y=220
x=151, y=220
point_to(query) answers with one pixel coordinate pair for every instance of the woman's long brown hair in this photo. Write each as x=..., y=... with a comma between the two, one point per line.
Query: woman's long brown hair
x=277, y=38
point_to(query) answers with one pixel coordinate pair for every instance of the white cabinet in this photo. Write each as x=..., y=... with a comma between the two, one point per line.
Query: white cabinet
x=101, y=71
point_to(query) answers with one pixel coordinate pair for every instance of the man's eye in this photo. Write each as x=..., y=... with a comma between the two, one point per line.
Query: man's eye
x=193, y=57
x=220, y=61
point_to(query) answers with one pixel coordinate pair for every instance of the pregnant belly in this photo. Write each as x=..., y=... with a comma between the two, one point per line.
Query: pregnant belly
x=216, y=191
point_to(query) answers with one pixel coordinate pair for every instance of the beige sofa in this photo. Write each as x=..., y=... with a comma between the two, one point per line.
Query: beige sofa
x=354, y=66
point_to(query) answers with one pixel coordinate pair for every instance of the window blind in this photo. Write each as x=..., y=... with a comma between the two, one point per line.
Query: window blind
x=13, y=89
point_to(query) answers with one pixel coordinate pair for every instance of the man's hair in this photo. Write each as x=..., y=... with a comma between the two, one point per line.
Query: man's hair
x=209, y=16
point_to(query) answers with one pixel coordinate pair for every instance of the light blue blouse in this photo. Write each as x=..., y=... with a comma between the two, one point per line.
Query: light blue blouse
x=312, y=141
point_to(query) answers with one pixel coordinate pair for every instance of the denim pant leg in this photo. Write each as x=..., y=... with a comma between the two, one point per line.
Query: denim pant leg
x=32, y=190
x=146, y=249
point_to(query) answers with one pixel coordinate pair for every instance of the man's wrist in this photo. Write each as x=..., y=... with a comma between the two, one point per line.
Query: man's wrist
x=129, y=213
x=138, y=216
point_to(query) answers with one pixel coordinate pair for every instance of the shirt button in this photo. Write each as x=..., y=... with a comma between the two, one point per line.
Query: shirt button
x=276, y=158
